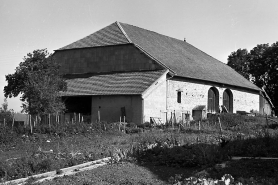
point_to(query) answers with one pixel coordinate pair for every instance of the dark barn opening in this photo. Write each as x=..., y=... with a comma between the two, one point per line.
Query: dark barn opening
x=213, y=100
x=228, y=100
x=78, y=107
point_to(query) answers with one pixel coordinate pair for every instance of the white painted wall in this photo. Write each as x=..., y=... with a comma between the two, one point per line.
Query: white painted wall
x=161, y=97
x=194, y=94
x=154, y=99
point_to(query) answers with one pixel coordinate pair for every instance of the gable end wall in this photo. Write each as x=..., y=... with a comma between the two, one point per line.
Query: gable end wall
x=118, y=58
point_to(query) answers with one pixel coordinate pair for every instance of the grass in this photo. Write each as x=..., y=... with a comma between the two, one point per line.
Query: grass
x=122, y=173
x=154, y=152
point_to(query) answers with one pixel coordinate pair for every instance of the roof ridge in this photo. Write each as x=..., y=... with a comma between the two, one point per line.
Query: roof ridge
x=175, y=39
x=152, y=31
x=123, y=31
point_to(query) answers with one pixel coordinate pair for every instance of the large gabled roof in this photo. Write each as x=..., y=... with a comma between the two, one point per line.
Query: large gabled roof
x=180, y=57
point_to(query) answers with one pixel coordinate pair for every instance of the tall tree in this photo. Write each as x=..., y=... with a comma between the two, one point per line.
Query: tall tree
x=6, y=113
x=260, y=66
x=264, y=69
x=38, y=81
x=4, y=107
x=238, y=60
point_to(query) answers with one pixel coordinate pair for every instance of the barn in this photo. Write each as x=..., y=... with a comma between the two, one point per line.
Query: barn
x=126, y=71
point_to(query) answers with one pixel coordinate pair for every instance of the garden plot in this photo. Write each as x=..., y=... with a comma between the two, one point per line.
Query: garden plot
x=190, y=149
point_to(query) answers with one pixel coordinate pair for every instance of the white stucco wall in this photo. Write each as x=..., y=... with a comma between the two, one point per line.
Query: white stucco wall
x=154, y=100
x=194, y=94
x=161, y=98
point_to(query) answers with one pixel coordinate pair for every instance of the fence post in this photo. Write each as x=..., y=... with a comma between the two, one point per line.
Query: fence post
x=13, y=122
x=220, y=126
x=266, y=124
x=4, y=122
x=98, y=113
x=31, y=127
x=36, y=121
x=49, y=120
x=79, y=117
x=120, y=123
x=124, y=125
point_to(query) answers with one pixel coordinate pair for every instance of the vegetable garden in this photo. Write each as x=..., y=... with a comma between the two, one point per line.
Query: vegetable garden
x=193, y=148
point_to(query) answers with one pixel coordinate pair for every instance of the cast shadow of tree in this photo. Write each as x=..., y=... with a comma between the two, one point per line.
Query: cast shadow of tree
x=165, y=161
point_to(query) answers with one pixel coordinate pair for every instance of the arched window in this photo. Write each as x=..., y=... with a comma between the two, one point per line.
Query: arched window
x=213, y=100
x=228, y=100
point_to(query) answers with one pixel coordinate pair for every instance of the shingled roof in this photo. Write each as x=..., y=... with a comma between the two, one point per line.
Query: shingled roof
x=180, y=57
x=128, y=83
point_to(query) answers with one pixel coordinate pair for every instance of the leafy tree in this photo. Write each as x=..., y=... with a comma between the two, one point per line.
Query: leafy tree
x=238, y=60
x=260, y=66
x=38, y=81
x=4, y=107
x=5, y=112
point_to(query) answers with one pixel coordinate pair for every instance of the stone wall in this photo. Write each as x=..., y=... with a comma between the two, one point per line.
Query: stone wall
x=104, y=59
x=193, y=94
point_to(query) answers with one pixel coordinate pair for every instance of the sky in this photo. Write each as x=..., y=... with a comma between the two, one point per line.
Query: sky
x=217, y=27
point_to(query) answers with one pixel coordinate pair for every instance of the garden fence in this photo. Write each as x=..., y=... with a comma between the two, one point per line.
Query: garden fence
x=16, y=119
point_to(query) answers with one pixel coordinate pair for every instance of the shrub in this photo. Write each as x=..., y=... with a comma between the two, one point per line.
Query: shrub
x=7, y=135
x=133, y=130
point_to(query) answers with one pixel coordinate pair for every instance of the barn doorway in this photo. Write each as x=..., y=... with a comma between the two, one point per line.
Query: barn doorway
x=228, y=100
x=213, y=100
x=78, y=105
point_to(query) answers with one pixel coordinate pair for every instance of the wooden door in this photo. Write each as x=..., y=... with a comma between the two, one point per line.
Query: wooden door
x=211, y=101
x=226, y=100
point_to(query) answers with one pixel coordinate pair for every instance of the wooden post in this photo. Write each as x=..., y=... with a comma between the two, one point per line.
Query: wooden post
x=172, y=121
x=199, y=125
x=166, y=118
x=79, y=117
x=98, y=113
x=13, y=122
x=120, y=123
x=124, y=125
x=220, y=126
x=175, y=117
x=182, y=119
x=82, y=119
x=36, y=121
x=104, y=125
x=266, y=124
x=4, y=122
x=49, y=120
x=31, y=126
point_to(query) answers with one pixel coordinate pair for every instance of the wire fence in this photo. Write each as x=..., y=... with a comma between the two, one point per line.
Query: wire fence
x=18, y=119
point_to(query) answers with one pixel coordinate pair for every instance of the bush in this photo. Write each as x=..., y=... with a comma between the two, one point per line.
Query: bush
x=227, y=119
x=133, y=130
x=7, y=136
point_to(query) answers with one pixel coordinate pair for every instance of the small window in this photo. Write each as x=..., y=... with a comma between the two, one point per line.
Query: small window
x=179, y=97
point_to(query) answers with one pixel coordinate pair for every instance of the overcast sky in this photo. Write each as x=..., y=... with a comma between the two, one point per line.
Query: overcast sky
x=217, y=27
